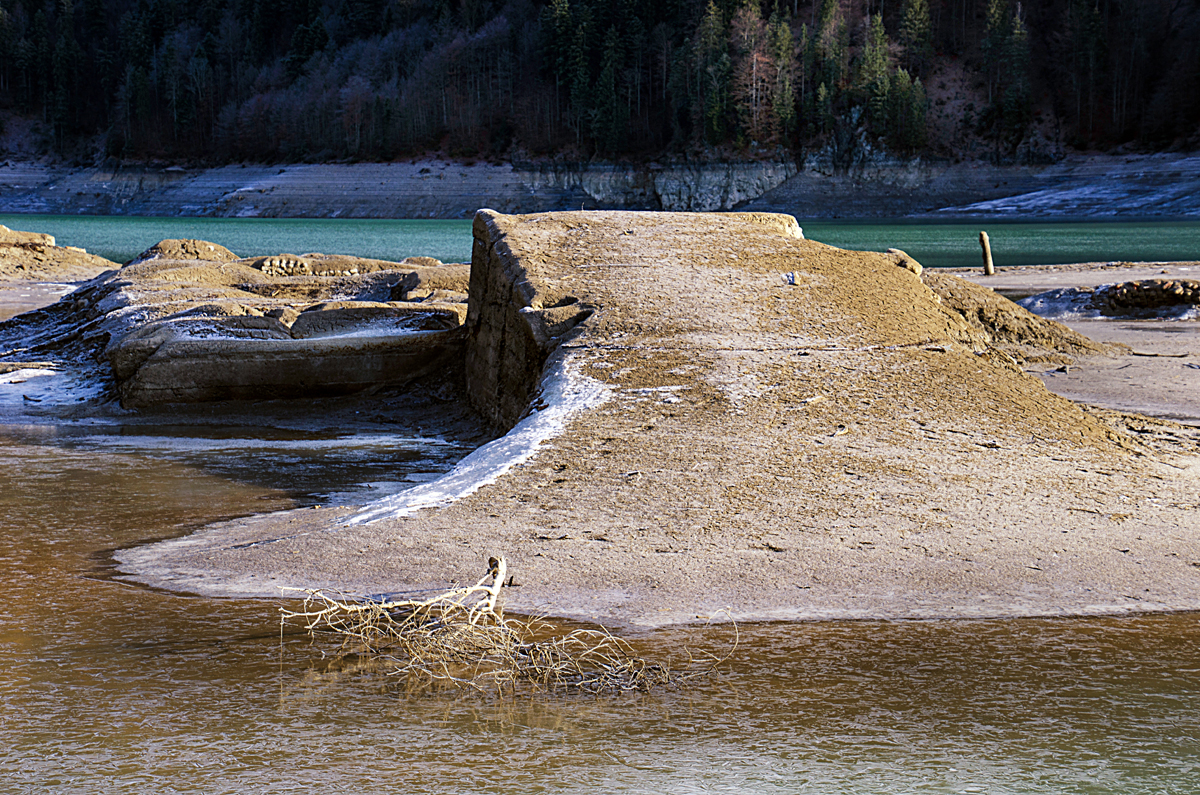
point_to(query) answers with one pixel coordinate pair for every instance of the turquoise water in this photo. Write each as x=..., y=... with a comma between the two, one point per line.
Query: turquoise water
x=950, y=245
x=121, y=238
x=937, y=245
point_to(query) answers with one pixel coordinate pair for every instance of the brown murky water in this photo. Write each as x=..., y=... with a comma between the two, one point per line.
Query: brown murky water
x=105, y=687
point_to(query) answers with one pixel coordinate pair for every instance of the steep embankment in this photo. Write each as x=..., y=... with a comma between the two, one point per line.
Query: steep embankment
x=712, y=412
x=1079, y=186
x=871, y=187
x=420, y=189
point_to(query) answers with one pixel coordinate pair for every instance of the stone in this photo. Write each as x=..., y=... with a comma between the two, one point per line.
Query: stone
x=905, y=261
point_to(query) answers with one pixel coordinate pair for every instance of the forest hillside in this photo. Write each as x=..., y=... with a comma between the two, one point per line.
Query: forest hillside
x=329, y=80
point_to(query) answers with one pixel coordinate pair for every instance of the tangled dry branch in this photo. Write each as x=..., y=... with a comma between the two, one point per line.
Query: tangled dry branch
x=461, y=637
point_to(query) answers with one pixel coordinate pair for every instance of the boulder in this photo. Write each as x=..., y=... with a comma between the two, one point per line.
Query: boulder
x=180, y=249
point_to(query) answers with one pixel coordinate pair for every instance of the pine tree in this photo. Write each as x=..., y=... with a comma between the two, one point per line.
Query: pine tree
x=824, y=108
x=609, y=118
x=579, y=81
x=873, y=81
x=782, y=50
x=713, y=68
x=832, y=45
x=916, y=35
x=997, y=31
x=1015, y=109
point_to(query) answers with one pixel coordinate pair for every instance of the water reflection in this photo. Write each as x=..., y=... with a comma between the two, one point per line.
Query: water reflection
x=113, y=688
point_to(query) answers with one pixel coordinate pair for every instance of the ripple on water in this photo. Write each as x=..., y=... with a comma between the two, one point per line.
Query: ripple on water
x=108, y=687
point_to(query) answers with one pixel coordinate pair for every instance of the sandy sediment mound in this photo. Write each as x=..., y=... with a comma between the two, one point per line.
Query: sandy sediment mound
x=34, y=256
x=710, y=412
x=1012, y=328
x=199, y=250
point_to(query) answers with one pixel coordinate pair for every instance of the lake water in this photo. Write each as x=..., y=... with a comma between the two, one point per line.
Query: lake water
x=948, y=244
x=106, y=687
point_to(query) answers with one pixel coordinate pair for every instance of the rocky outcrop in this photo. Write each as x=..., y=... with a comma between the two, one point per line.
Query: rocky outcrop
x=674, y=187
x=35, y=256
x=1139, y=299
x=1148, y=295
x=421, y=189
x=188, y=321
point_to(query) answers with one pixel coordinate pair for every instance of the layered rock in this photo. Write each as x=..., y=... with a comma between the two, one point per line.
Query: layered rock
x=189, y=321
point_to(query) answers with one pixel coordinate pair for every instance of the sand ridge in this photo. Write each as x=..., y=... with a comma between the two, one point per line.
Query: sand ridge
x=793, y=432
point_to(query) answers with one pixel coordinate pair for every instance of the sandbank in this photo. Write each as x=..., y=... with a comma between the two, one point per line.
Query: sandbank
x=776, y=430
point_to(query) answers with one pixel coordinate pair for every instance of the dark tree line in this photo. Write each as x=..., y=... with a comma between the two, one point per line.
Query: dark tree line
x=380, y=79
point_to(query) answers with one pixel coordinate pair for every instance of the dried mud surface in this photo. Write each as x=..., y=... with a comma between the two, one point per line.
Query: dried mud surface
x=792, y=431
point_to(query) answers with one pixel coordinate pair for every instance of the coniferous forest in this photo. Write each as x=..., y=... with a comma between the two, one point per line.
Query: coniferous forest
x=318, y=80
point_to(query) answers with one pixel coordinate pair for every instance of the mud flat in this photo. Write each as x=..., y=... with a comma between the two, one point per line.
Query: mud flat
x=710, y=413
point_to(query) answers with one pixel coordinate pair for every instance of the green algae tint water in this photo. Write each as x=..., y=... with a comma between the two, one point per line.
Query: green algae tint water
x=121, y=238
x=950, y=244
x=1014, y=243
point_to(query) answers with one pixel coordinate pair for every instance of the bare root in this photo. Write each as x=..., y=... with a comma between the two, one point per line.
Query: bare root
x=461, y=637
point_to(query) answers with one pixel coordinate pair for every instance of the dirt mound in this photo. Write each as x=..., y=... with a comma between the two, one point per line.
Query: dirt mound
x=200, y=250
x=34, y=256
x=13, y=236
x=1020, y=333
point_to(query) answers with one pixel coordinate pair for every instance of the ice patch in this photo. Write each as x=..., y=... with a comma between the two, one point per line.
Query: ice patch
x=1067, y=303
x=566, y=392
x=22, y=390
x=20, y=376
x=345, y=446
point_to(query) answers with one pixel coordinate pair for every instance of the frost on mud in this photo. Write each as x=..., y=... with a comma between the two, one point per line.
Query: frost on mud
x=565, y=393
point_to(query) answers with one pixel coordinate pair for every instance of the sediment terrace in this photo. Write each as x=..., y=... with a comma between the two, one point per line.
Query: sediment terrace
x=821, y=186
x=708, y=413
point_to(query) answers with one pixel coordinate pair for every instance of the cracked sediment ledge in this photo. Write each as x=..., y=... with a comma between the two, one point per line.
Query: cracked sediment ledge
x=788, y=431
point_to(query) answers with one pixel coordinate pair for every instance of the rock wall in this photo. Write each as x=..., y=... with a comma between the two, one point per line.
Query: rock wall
x=420, y=189
x=512, y=326
x=702, y=187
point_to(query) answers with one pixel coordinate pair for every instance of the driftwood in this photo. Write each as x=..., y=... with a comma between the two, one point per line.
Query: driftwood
x=461, y=637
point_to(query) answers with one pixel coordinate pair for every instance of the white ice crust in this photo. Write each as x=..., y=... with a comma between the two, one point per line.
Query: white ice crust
x=1069, y=303
x=566, y=391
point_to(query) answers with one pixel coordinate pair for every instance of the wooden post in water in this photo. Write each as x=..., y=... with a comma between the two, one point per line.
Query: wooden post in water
x=988, y=268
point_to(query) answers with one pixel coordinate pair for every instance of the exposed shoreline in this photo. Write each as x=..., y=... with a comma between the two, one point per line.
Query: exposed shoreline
x=1165, y=186
x=657, y=584
x=638, y=537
